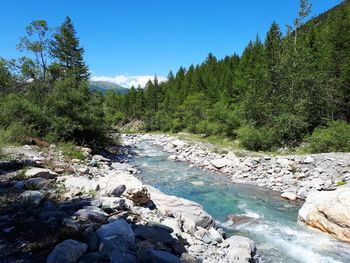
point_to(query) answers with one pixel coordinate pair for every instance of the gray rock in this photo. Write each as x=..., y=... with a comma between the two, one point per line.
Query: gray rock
x=92, y=241
x=81, y=183
x=40, y=172
x=97, y=216
x=215, y=235
x=34, y=198
x=112, y=203
x=100, y=158
x=19, y=185
x=118, y=257
x=36, y=183
x=153, y=233
x=68, y=251
x=157, y=256
x=115, y=235
x=241, y=249
x=93, y=257
x=119, y=190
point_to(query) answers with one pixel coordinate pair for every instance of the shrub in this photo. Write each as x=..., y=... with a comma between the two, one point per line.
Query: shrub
x=334, y=138
x=262, y=139
x=15, y=133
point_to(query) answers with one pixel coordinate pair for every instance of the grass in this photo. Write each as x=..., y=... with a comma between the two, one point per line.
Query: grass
x=340, y=183
x=20, y=175
x=70, y=151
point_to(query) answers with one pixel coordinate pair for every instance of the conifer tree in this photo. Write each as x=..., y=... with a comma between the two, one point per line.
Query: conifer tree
x=65, y=47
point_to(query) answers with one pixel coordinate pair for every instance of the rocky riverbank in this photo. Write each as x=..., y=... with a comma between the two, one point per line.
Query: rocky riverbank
x=96, y=210
x=294, y=176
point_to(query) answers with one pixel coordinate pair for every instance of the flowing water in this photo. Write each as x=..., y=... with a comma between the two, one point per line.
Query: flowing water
x=273, y=221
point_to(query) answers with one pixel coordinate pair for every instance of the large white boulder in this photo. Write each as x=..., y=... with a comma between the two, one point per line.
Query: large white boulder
x=328, y=211
x=190, y=210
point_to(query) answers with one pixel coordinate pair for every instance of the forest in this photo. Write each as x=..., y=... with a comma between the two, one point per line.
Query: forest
x=286, y=89
x=283, y=90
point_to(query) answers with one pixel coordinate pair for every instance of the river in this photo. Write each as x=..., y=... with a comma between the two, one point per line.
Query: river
x=272, y=221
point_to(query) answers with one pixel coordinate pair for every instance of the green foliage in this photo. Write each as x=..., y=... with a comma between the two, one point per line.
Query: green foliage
x=262, y=139
x=71, y=151
x=334, y=138
x=56, y=105
x=290, y=129
x=15, y=133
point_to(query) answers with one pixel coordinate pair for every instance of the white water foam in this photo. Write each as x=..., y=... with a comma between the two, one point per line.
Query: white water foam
x=297, y=244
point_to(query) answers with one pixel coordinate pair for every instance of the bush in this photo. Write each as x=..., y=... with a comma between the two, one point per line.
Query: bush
x=15, y=133
x=262, y=139
x=334, y=138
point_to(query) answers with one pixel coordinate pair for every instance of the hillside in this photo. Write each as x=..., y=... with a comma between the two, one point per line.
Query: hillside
x=104, y=86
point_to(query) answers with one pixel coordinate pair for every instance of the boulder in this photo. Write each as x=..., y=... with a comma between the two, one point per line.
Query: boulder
x=178, y=144
x=215, y=235
x=153, y=233
x=34, y=198
x=118, y=257
x=140, y=196
x=289, y=195
x=328, y=211
x=220, y=163
x=81, y=183
x=40, y=172
x=190, y=210
x=93, y=257
x=36, y=183
x=241, y=249
x=100, y=158
x=112, y=203
x=115, y=235
x=68, y=251
x=97, y=216
x=157, y=256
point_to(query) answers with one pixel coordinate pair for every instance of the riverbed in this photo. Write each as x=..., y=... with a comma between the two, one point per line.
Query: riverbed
x=272, y=221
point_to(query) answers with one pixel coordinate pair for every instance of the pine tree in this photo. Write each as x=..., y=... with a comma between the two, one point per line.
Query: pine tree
x=66, y=49
x=273, y=45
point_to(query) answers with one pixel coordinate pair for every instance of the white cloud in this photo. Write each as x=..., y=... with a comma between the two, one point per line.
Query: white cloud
x=127, y=80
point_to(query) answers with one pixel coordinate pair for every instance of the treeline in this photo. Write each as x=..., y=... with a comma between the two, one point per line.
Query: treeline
x=45, y=93
x=277, y=93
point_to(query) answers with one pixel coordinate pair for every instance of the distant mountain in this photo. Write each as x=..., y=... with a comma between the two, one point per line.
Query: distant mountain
x=104, y=86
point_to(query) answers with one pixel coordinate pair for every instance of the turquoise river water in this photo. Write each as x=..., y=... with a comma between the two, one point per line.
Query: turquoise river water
x=273, y=225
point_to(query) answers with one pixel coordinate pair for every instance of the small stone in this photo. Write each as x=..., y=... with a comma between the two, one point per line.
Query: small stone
x=140, y=196
x=309, y=160
x=289, y=195
x=119, y=190
x=91, y=215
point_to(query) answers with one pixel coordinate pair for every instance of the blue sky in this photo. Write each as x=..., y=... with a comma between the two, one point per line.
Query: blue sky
x=125, y=40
